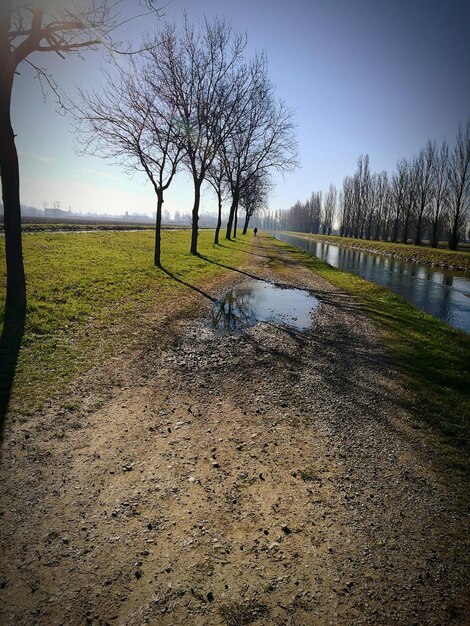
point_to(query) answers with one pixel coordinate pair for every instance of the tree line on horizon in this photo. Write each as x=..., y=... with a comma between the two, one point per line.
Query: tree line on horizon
x=426, y=197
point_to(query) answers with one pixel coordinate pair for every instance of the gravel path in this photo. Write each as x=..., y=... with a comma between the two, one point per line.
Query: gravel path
x=270, y=477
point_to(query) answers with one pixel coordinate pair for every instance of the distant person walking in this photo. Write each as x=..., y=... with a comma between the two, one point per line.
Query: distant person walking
x=255, y=230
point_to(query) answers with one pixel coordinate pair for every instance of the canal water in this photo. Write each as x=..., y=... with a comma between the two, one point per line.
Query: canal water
x=442, y=293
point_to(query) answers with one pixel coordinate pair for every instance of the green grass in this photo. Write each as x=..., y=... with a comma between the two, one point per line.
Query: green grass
x=91, y=293
x=456, y=259
x=432, y=358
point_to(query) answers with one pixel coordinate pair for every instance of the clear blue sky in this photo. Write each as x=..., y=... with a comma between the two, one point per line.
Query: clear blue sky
x=365, y=76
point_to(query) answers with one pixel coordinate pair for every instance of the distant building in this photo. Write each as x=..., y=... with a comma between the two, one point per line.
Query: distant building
x=136, y=217
x=56, y=213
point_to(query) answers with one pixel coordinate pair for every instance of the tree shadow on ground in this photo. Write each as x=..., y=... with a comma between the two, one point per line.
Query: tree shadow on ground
x=182, y=282
x=239, y=271
x=10, y=344
x=253, y=247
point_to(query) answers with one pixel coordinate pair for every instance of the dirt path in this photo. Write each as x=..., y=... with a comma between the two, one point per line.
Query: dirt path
x=270, y=477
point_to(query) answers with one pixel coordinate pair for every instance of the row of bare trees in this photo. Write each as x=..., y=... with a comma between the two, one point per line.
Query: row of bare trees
x=191, y=100
x=186, y=98
x=426, y=197
x=315, y=215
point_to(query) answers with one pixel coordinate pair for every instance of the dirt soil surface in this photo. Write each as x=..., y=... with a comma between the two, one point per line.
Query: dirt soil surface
x=268, y=477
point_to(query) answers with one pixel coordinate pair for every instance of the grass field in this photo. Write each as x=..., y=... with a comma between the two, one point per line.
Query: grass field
x=90, y=293
x=456, y=259
x=432, y=358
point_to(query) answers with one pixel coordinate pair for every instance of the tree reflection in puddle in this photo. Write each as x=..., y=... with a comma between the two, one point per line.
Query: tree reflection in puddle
x=256, y=301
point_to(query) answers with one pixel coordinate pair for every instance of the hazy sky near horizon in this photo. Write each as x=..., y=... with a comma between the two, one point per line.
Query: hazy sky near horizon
x=375, y=77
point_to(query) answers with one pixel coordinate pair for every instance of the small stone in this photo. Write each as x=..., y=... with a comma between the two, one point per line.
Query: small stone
x=285, y=528
x=215, y=464
x=138, y=574
x=210, y=596
x=192, y=479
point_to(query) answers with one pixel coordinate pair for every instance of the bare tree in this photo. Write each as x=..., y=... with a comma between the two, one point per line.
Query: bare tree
x=411, y=197
x=127, y=122
x=329, y=210
x=314, y=211
x=424, y=186
x=263, y=138
x=347, y=207
x=216, y=178
x=459, y=186
x=382, y=205
x=440, y=194
x=254, y=196
x=198, y=75
x=361, y=196
x=398, y=196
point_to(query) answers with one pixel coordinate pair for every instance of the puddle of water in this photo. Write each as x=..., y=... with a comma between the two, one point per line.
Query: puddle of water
x=256, y=301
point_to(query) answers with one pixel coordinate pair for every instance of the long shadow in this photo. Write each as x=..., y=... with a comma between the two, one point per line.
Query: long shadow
x=10, y=344
x=234, y=269
x=250, y=245
x=182, y=282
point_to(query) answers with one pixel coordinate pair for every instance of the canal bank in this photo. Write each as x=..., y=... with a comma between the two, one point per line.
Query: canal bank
x=424, y=255
x=443, y=293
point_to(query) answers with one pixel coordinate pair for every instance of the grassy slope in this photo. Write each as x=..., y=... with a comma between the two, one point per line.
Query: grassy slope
x=432, y=358
x=82, y=288
x=417, y=254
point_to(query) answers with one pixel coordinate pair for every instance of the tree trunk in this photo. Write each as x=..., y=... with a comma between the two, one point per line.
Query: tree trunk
x=235, y=221
x=245, y=226
x=395, y=229
x=435, y=233
x=405, y=230
x=219, y=219
x=419, y=227
x=158, y=229
x=454, y=231
x=15, y=303
x=195, y=216
x=454, y=237
x=9, y=172
x=233, y=208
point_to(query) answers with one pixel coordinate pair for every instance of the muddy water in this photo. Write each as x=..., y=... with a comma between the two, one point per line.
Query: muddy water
x=258, y=301
x=442, y=293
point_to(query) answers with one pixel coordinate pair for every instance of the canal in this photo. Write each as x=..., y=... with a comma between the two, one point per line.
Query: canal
x=442, y=293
